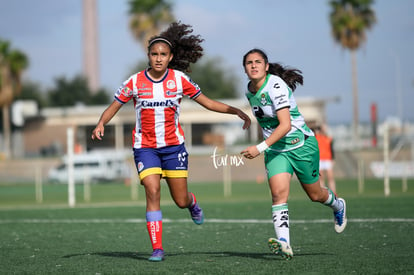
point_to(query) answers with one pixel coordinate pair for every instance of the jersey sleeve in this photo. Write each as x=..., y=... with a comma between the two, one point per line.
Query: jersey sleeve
x=279, y=94
x=190, y=88
x=125, y=92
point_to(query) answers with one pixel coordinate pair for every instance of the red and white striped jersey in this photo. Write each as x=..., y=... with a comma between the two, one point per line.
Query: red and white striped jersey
x=157, y=107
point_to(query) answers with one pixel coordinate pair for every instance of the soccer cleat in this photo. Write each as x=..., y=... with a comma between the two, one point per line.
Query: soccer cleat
x=157, y=255
x=340, y=218
x=197, y=214
x=280, y=247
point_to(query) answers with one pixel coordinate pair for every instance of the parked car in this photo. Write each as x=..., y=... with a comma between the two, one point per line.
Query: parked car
x=94, y=167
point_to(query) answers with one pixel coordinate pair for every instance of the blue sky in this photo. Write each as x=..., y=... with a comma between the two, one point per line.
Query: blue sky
x=294, y=32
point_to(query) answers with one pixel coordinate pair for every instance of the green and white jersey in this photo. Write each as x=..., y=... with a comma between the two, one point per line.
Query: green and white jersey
x=274, y=95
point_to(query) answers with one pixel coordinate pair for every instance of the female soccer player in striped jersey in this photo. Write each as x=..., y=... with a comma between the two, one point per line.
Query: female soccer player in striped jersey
x=158, y=139
x=289, y=145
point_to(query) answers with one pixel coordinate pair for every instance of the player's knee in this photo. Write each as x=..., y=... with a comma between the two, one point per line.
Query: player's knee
x=152, y=192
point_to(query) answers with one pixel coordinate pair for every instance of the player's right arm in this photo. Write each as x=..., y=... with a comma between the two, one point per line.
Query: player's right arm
x=106, y=116
x=220, y=107
x=122, y=95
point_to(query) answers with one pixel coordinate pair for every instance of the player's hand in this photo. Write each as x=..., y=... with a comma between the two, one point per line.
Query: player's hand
x=98, y=132
x=250, y=152
x=246, y=119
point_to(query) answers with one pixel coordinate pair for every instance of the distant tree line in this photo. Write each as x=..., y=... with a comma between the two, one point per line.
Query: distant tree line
x=64, y=92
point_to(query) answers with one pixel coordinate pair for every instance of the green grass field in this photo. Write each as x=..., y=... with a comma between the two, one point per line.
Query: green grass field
x=108, y=234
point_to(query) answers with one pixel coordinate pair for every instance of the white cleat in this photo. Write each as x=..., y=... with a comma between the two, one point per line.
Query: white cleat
x=340, y=218
x=280, y=247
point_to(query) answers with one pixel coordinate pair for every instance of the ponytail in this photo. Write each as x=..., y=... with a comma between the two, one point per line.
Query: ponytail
x=291, y=76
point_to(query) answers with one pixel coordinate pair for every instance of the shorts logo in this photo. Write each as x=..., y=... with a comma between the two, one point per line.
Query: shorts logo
x=296, y=140
x=182, y=158
x=140, y=166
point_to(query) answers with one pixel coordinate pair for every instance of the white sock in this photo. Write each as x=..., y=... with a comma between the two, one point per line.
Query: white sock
x=333, y=202
x=280, y=214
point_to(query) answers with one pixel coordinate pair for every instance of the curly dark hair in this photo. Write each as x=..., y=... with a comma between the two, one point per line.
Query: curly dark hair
x=291, y=76
x=185, y=46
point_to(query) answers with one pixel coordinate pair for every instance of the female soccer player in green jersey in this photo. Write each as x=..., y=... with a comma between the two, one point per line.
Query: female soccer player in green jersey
x=289, y=145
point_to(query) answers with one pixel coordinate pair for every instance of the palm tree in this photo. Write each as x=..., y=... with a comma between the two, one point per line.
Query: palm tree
x=349, y=21
x=148, y=17
x=12, y=64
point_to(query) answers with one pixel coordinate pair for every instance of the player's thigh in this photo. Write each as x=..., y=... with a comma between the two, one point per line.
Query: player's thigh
x=279, y=185
x=174, y=162
x=305, y=161
x=277, y=163
x=152, y=186
x=279, y=172
x=147, y=162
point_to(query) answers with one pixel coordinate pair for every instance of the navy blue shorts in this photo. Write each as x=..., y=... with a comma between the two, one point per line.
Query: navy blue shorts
x=169, y=161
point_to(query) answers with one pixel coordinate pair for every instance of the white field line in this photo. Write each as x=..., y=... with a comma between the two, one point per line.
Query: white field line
x=241, y=221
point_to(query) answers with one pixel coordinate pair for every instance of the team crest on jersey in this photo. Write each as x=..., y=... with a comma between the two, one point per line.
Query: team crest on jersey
x=263, y=100
x=171, y=84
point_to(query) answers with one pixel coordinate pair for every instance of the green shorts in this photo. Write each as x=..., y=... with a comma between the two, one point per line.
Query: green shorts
x=303, y=161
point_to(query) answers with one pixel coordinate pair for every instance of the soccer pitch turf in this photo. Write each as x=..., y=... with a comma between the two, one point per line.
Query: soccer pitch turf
x=108, y=235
